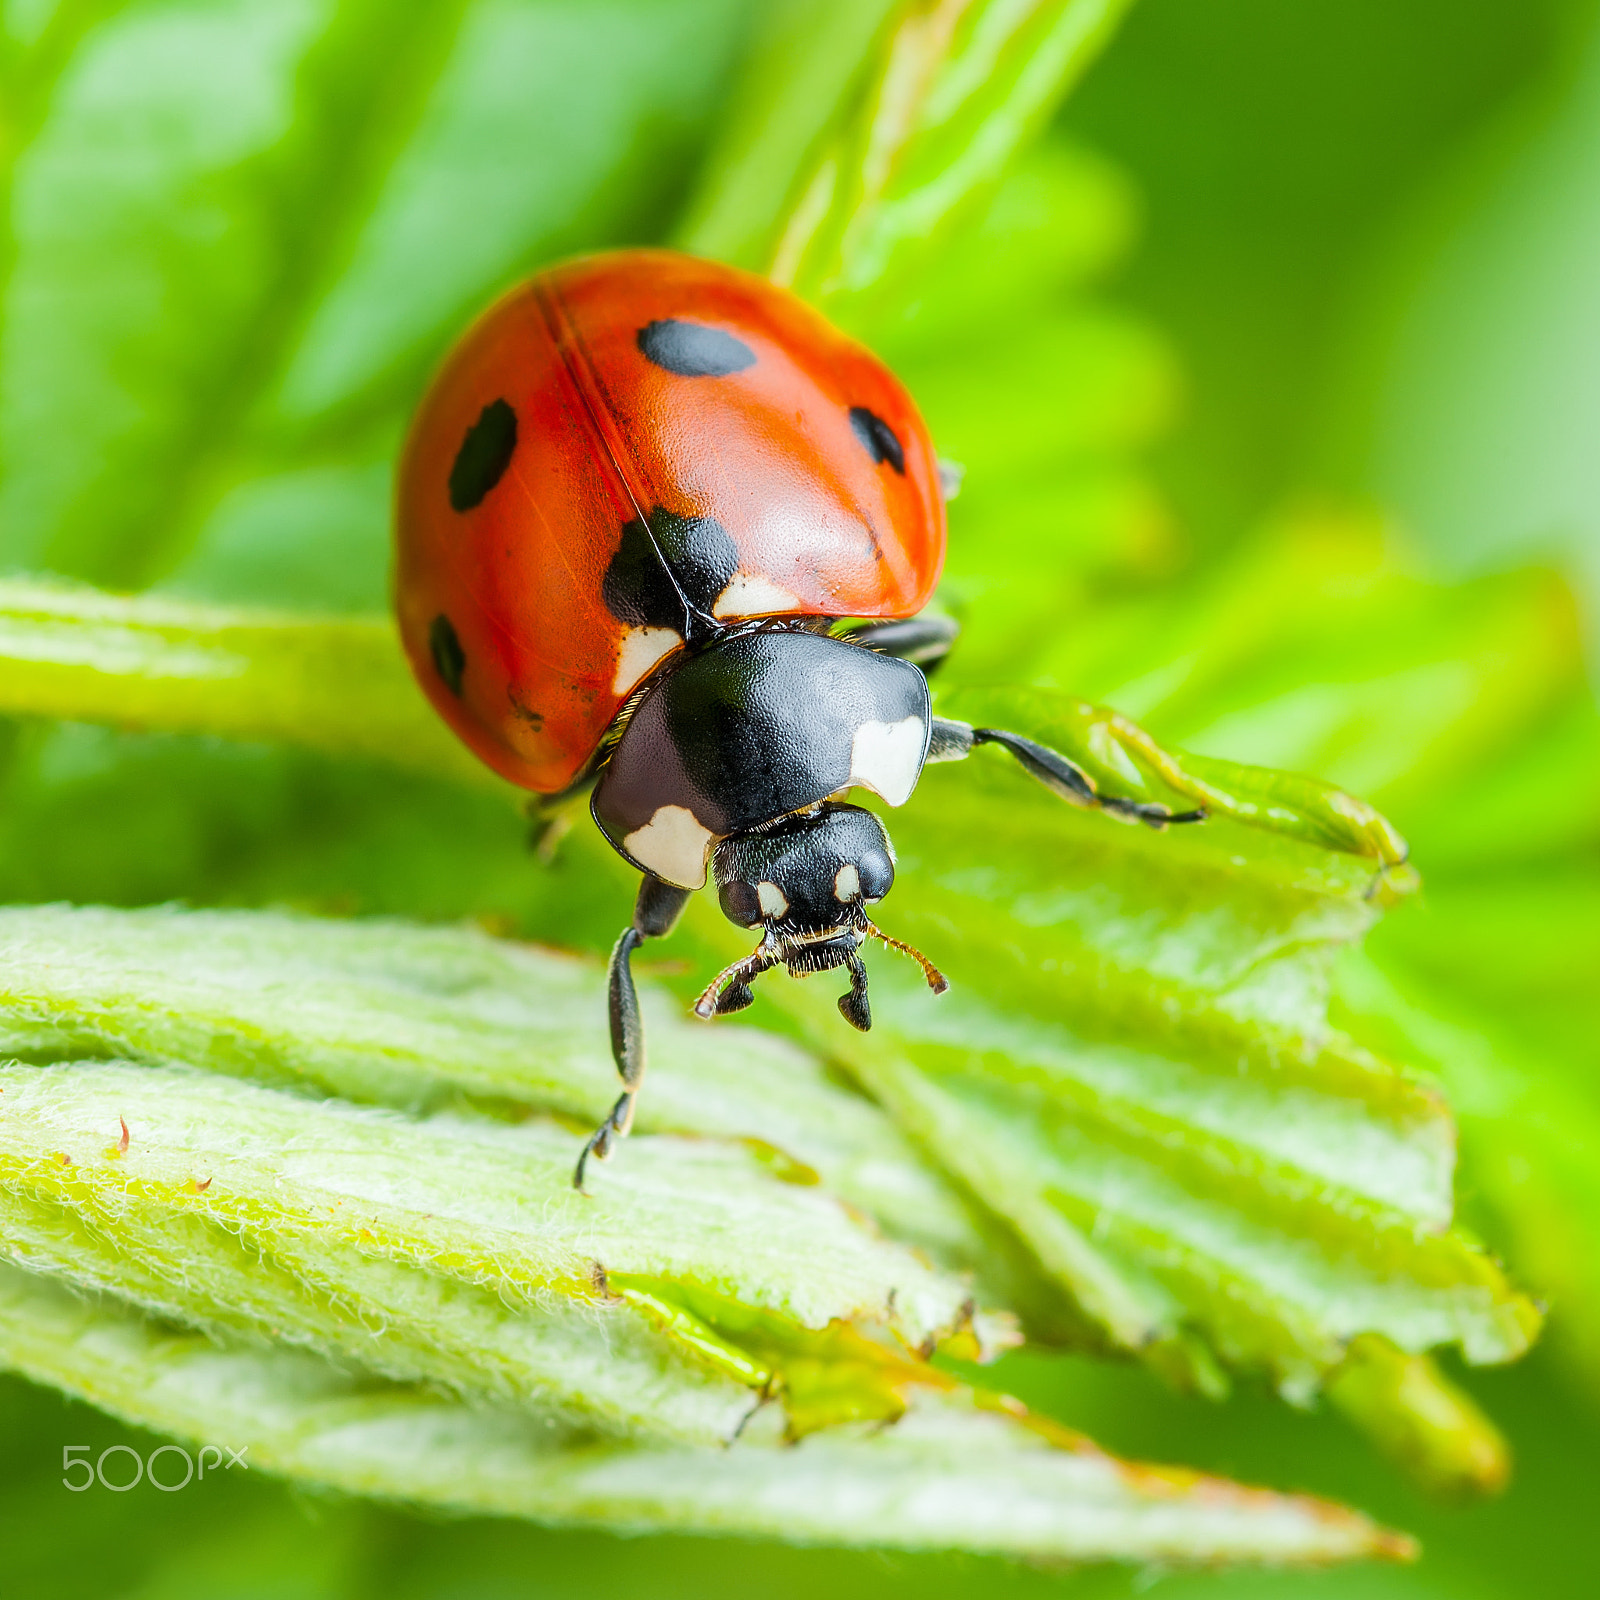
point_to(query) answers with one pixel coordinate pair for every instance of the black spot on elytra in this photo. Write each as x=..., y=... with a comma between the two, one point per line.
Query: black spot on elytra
x=484, y=455
x=449, y=659
x=879, y=438
x=639, y=590
x=692, y=350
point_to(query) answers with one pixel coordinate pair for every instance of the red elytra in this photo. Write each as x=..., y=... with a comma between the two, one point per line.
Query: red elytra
x=806, y=466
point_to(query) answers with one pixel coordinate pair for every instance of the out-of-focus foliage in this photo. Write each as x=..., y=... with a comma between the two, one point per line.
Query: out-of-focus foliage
x=1473, y=413
x=838, y=178
x=1283, y=153
x=268, y=408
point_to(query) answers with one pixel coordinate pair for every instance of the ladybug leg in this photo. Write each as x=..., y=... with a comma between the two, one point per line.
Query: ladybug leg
x=655, y=913
x=953, y=741
x=924, y=641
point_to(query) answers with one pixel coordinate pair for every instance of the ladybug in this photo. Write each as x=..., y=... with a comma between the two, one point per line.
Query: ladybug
x=664, y=531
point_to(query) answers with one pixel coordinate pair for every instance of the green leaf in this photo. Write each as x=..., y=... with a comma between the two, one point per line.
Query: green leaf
x=1150, y=1098
x=1466, y=707
x=447, y=1252
x=451, y=1250
x=1123, y=759
x=155, y=663
x=1134, y=1068
x=426, y=1019
x=944, y=1479
x=1420, y=1420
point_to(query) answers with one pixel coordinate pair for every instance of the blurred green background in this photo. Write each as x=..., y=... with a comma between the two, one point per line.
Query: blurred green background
x=1336, y=262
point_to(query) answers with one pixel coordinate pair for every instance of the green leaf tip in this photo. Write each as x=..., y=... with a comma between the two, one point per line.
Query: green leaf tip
x=1123, y=759
x=1421, y=1421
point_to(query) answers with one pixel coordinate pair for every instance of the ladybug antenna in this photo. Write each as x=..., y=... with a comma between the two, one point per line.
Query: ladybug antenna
x=730, y=989
x=936, y=979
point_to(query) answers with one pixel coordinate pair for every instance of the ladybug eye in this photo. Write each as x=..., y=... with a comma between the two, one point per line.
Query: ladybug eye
x=740, y=903
x=882, y=443
x=484, y=455
x=692, y=350
x=875, y=875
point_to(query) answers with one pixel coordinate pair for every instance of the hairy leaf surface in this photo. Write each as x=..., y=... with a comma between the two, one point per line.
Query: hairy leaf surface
x=943, y=1479
x=450, y=1249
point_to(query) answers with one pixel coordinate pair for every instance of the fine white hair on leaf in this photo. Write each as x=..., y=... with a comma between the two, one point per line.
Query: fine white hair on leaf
x=948, y=1476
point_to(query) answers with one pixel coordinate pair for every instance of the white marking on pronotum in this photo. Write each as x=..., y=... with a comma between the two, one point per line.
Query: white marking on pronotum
x=847, y=883
x=641, y=648
x=886, y=757
x=950, y=475
x=673, y=844
x=751, y=595
x=774, y=902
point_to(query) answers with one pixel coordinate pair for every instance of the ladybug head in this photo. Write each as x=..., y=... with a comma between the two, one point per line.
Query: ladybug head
x=811, y=873
x=806, y=880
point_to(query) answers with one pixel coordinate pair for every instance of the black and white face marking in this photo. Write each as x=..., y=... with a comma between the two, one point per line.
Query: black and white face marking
x=694, y=349
x=811, y=874
x=756, y=727
x=806, y=882
x=485, y=453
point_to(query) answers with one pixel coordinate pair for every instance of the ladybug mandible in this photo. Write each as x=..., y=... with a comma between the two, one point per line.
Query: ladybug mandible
x=635, y=508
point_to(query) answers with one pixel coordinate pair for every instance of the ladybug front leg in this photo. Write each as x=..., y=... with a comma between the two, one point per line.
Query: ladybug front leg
x=655, y=913
x=954, y=741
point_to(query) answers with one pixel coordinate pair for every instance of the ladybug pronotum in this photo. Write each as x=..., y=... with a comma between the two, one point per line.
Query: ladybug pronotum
x=636, y=508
